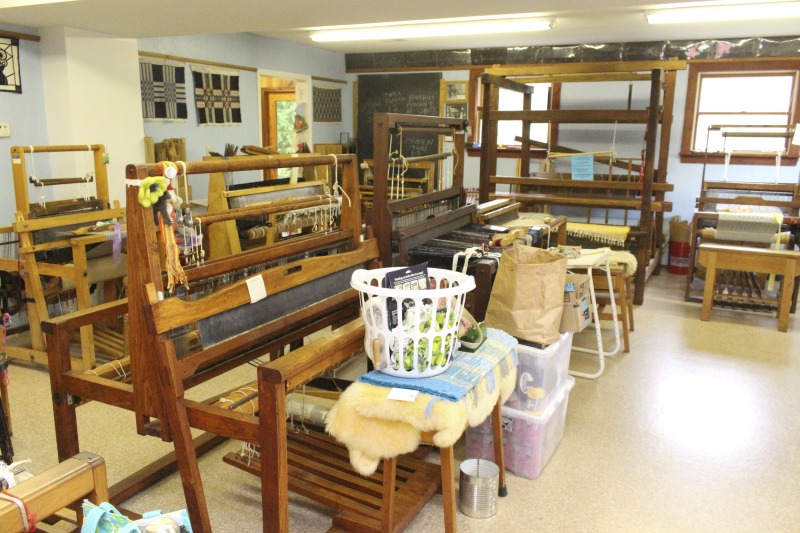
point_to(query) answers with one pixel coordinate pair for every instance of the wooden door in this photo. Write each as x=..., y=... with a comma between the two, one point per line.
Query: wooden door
x=278, y=107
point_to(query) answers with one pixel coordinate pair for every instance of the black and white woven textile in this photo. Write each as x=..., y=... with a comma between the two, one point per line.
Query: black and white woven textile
x=163, y=90
x=216, y=95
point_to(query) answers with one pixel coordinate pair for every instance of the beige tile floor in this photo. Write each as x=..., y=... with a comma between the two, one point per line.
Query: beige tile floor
x=695, y=430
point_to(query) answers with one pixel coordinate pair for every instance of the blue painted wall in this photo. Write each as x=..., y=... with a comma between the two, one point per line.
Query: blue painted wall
x=26, y=116
x=248, y=50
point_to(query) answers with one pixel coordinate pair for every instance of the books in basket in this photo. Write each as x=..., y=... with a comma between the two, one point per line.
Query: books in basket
x=410, y=278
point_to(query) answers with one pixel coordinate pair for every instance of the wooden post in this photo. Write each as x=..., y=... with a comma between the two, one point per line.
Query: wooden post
x=387, y=512
x=274, y=467
x=646, y=222
x=491, y=98
x=66, y=421
x=84, y=299
x=448, y=488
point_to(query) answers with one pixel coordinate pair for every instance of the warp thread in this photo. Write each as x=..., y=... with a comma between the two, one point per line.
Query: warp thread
x=28, y=518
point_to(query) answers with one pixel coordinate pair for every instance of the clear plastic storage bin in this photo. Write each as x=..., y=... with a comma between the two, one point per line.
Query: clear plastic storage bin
x=539, y=375
x=528, y=440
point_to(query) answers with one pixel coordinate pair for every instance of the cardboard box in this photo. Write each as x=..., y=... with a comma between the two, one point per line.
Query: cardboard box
x=577, y=313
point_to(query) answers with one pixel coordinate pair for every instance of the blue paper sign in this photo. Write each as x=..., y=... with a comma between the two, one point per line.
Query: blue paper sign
x=583, y=167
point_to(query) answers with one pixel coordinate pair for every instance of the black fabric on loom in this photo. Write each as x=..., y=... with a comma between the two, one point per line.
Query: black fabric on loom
x=6, y=448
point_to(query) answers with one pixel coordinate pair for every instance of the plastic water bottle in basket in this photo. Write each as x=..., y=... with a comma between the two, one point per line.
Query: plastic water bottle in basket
x=411, y=333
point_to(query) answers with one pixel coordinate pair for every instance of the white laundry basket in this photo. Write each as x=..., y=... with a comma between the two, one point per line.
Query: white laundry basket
x=426, y=336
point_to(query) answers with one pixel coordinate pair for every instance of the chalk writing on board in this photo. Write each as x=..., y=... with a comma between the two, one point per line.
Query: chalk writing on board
x=414, y=94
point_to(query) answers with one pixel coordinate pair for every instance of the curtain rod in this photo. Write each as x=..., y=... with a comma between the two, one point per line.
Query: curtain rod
x=197, y=61
x=23, y=36
x=332, y=80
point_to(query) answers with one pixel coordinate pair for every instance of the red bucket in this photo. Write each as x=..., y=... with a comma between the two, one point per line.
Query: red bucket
x=678, y=258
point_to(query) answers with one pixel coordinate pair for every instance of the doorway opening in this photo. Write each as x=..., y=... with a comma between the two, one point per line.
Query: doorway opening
x=278, y=106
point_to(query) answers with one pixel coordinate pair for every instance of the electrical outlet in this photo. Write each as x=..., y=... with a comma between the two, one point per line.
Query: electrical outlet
x=5, y=129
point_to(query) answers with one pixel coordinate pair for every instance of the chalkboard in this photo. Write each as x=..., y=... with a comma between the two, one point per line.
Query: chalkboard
x=415, y=94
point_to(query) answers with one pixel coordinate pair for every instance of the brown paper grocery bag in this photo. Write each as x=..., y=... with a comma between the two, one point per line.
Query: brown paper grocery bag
x=527, y=297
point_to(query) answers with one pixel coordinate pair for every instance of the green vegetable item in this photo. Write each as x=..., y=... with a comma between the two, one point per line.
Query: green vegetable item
x=428, y=353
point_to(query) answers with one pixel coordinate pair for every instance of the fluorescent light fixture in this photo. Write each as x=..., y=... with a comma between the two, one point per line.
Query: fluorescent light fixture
x=430, y=28
x=719, y=13
x=29, y=3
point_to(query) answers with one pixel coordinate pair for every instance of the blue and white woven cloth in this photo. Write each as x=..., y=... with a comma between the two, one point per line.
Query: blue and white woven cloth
x=470, y=375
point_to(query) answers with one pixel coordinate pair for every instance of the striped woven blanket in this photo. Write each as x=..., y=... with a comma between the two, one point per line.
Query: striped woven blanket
x=470, y=375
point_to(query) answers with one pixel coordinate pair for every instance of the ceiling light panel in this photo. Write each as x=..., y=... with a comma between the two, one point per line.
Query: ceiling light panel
x=724, y=13
x=431, y=29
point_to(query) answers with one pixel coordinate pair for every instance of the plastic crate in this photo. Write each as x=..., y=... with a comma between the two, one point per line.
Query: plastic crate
x=539, y=375
x=529, y=441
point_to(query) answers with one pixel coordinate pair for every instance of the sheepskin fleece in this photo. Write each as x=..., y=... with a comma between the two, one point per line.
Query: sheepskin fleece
x=374, y=427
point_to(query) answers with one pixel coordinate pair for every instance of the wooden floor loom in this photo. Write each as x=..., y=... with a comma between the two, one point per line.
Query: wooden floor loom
x=60, y=257
x=177, y=342
x=233, y=236
x=405, y=224
x=752, y=203
x=419, y=178
x=635, y=196
x=437, y=225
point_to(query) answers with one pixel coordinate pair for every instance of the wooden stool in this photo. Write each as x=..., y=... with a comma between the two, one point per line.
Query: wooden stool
x=784, y=263
x=375, y=427
x=350, y=521
x=621, y=285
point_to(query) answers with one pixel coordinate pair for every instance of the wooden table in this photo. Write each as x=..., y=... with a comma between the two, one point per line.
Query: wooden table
x=785, y=263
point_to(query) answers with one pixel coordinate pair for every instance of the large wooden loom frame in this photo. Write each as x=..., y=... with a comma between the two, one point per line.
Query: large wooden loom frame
x=383, y=210
x=31, y=269
x=224, y=238
x=155, y=392
x=650, y=203
x=749, y=193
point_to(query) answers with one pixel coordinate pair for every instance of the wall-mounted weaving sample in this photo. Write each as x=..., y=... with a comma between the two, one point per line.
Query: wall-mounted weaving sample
x=216, y=95
x=163, y=86
x=327, y=104
x=9, y=65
